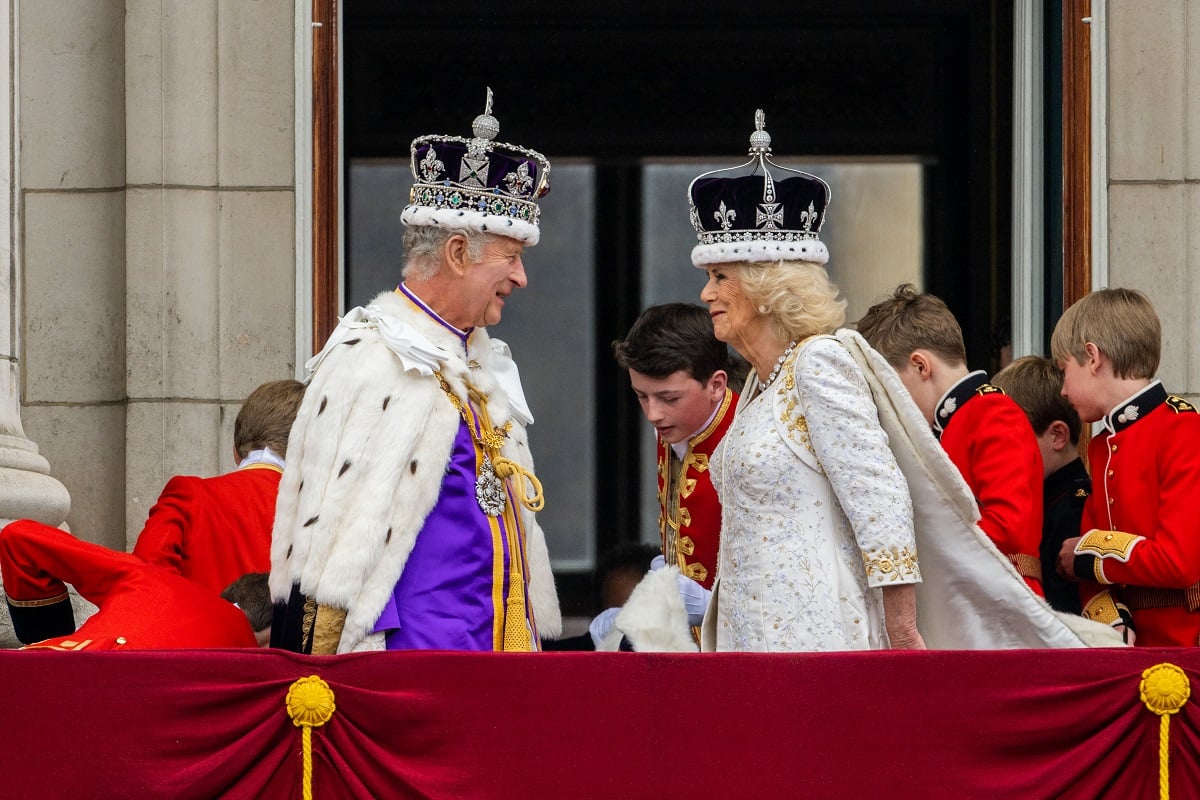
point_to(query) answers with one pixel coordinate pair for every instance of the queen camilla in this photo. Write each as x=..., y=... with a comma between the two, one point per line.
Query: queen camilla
x=817, y=545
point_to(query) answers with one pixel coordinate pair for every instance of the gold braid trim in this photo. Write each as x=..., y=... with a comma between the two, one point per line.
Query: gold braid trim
x=1108, y=544
x=1103, y=609
x=327, y=629
x=1027, y=566
x=49, y=601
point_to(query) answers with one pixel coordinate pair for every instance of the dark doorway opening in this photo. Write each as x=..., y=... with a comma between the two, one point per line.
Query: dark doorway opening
x=613, y=84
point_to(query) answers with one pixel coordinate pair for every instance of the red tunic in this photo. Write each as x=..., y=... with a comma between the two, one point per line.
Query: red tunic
x=213, y=530
x=689, y=518
x=994, y=447
x=1146, y=486
x=142, y=606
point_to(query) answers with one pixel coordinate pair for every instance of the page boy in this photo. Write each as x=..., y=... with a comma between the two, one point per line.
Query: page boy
x=1139, y=558
x=981, y=429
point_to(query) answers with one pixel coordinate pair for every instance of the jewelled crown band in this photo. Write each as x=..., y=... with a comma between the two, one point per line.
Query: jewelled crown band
x=477, y=183
x=758, y=216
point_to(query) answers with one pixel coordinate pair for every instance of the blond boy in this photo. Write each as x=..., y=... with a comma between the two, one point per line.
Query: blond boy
x=1139, y=559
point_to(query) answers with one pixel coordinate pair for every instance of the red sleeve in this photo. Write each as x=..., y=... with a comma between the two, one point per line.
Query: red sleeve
x=163, y=539
x=996, y=452
x=35, y=561
x=1169, y=556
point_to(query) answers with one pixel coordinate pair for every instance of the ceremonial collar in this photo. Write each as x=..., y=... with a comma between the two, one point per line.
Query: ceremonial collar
x=956, y=397
x=1133, y=408
x=404, y=291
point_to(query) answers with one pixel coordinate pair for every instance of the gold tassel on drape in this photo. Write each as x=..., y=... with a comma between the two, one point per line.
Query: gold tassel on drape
x=310, y=705
x=1164, y=689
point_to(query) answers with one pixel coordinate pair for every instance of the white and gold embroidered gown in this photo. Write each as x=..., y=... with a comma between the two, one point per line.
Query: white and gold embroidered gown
x=816, y=513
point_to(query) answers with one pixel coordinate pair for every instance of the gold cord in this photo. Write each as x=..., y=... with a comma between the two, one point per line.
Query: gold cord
x=527, y=487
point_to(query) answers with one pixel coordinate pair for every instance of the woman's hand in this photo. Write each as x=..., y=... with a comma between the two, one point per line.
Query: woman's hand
x=900, y=617
x=909, y=639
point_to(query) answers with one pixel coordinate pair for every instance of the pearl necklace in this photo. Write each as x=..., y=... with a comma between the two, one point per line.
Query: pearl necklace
x=779, y=364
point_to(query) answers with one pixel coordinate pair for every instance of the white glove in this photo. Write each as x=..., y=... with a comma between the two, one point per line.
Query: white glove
x=602, y=625
x=695, y=597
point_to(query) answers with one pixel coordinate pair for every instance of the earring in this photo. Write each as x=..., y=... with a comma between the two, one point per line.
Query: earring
x=762, y=309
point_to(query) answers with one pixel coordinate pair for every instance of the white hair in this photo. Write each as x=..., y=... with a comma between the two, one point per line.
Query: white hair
x=423, y=244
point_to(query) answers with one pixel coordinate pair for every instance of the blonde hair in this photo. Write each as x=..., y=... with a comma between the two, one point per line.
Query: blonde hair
x=797, y=297
x=1122, y=323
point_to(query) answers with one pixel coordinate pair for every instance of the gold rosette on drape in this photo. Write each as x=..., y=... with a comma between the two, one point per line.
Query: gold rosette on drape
x=1164, y=689
x=310, y=705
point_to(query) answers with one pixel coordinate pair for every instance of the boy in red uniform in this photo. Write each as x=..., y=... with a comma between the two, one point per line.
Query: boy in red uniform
x=984, y=432
x=680, y=373
x=1138, y=560
x=213, y=530
x=141, y=606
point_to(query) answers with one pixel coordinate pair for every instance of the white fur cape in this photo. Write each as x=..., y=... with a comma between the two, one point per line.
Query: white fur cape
x=970, y=598
x=367, y=455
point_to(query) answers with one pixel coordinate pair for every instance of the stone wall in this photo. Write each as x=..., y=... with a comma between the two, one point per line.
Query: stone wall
x=1154, y=169
x=158, y=183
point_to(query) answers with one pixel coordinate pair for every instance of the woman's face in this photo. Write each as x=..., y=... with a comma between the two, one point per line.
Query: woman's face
x=731, y=312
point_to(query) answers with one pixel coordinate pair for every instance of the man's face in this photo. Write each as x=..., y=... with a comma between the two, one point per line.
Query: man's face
x=489, y=282
x=677, y=405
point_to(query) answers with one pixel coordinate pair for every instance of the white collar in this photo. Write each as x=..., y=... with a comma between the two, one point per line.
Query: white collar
x=264, y=456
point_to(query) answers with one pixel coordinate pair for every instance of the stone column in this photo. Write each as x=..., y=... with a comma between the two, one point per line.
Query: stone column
x=26, y=488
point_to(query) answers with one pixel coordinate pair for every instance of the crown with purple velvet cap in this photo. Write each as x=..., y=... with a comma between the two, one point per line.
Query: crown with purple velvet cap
x=772, y=213
x=477, y=183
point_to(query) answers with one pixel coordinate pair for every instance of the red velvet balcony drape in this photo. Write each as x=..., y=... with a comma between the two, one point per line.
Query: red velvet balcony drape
x=208, y=724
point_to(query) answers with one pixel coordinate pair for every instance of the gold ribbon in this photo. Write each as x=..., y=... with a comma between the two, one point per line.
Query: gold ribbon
x=1164, y=689
x=310, y=705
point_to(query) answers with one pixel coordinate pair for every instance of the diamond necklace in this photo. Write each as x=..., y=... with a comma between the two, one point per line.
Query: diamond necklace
x=779, y=364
